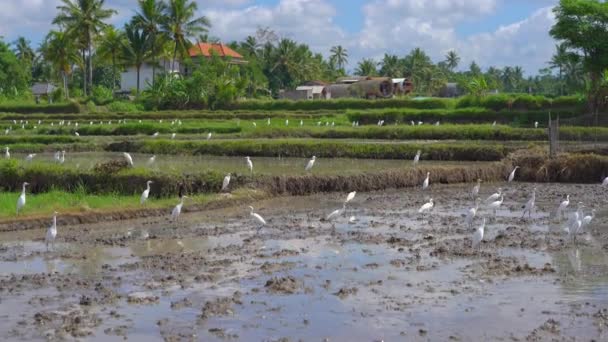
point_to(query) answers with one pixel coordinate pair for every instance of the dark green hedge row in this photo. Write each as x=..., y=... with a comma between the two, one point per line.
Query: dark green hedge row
x=327, y=149
x=522, y=102
x=341, y=104
x=146, y=128
x=57, y=108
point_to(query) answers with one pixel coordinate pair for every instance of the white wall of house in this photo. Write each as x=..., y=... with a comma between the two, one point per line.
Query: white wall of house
x=128, y=79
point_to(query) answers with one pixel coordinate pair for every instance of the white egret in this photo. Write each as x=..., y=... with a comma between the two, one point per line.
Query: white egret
x=412, y=123
x=420, y=123
x=512, y=175
x=257, y=218
x=249, y=164
x=7, y=154
x=51, y=233
x=209, y=136
x=178, y=209
x=352, y=220
x=151, y=160
x=353, y=124
x=57, y=156
x=155, y=135
x=494, y=124
x=495, y=196
x=350, y=197
x=478, y=235
x=530, y=205
x=318, y=123
x=286, y=122
x=146, y=193
x=605, y=182
x=587, y=219
x=255, y=125
x=427, y=207
x=417, y=157
x=77, y=134
x=173, y=136
x=574, y=225
x=535, y=124
x=426, y=182
x=310, y=164
x=472, y=213
x=21, y=199
x=301, y=123
x=128, y=158
x=62, y=157
x=6, y=131
x=268, y=121
x=476, y=188
x=30, y=157
x=496, y=204
x=437, y=123
x=226, y=182
x=334, y=214
x=333, y=124
x=562, y=207
x=91, y=123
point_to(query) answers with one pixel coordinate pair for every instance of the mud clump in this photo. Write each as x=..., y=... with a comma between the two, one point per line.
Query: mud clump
x=346, y=291
x=283, y=285
x=142, y=298
x=220, y=306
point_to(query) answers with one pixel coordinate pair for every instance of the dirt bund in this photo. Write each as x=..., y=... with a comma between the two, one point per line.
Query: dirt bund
x=536, y=166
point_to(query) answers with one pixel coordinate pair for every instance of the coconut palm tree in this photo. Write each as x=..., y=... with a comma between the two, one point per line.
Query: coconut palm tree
x=251, y=45
x=390, y=66
x=367, y=67
x=181, y=23
x=136, y=49
x=84, y=19
x=111, y=43
x=149, y=17
x=452, y=60
x=23, y=51
x=559, y=61
x=339, y=56
x=60, y=50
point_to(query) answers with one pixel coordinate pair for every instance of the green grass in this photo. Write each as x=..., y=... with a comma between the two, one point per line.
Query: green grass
x=28, y=108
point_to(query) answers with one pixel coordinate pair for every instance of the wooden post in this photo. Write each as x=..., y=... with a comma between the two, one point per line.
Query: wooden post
x=553, y=136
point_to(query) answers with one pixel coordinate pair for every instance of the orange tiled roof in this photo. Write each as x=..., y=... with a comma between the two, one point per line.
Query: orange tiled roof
x=206, y=48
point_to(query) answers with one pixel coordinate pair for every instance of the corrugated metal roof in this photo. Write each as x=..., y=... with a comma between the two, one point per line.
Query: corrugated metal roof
x=42, y=88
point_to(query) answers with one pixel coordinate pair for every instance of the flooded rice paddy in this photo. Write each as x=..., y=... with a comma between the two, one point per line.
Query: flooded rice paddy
x=392, y=274
x=262, y=165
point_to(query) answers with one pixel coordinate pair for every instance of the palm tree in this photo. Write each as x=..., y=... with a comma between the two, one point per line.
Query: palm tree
x=251, y=45
x=390, y=66
x=559, y=61
x=23, y=51
x=339, y=56
x=181, y=24
x=149, y=18
x=59, y=49
x=366, y=67
x=474, y=69
x=452, y=60
x=83, y=19
x=111, y=43
x=136, y=49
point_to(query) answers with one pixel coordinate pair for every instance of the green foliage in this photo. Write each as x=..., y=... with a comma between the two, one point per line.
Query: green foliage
x=14, y=75
x=102, y=95
x=522, y=102
x=27, y=108
x=124, y=107
x=146, y=128
x=340, y=104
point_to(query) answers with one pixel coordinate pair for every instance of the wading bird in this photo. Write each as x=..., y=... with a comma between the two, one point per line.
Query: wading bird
x=226, y=182
x=425, y=184
x=529, y=206
x=336, y=213
x=587, y=219
x=146, y=193
x=128, y=158
x=21, y=199
x=257, y=218
x=178, y=209
x=255, y=125
x=536, y=124
x=574, y=225
x=286, y=122
x=249, y=165
x=151, y=160
x=427, y=207
x=350, y=197
x=417, y=157
x=310, y=164
x=155, y=135
x=77, y=134
x=604, y=182
x=493, y=197
x=496, y=204
x=562, y=206
x=209, y=136
x=476, y=188
x=173, y=136
x=472, y=213
x=301, y=123
x=512, y=175
x=30, y=157
x=7, y=154
x=51, y=233
x=478, y=235
x=268, y=121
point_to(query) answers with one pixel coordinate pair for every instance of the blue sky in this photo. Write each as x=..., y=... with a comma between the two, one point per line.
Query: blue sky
x=490, y=32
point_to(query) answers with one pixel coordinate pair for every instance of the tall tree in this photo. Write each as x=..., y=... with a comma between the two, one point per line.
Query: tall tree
x=23, y=50
x=110, y=46
x=452, y=60
x=149, y=17
x=14, y=75
x=84, y=19
x=339, y=56
x=391, y=66
x=251, y=46
x=367, y=67
x=181, y=24
x=474, y=69
x=136, y=49
x=59, y=48
x=558, y=61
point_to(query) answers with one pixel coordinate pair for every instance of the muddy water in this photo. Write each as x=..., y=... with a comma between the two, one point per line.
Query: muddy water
x=262, y=165
x=390, y=275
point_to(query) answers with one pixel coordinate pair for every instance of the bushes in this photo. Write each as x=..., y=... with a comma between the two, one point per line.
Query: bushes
x=124, y=107
x=326, y=149
x=523, y=102
x=341, y=104
x=55, y=108
x=102, y=95
x=146, y=128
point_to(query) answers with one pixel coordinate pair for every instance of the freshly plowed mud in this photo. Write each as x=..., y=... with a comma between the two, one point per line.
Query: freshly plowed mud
x=387, y=274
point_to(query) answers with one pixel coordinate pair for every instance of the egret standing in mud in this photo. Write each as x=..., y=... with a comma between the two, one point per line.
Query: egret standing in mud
x=493, y=197
x=350, y=197
x=574, y=226
x=472, y=213
x=476, y=188
x=257, y=218
x=310, y=164
x=512, y=175
x=155, y=134
x=604, y=182
x=478, y=236
x=21, y=199
x=427, y=207
x=51, y=233
x=587, y=219
x=249, y=165
x=30, y=157
x=417, y=157
x=529, y=206
x=173, y=136
x=151, y=160
x=7, y=154
x=226, y=182
x=426, y=182
x=128, y=158
x=146, y=193
x=562, y=206
x=209, y=136
x=178, y=209
x=496, y=204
